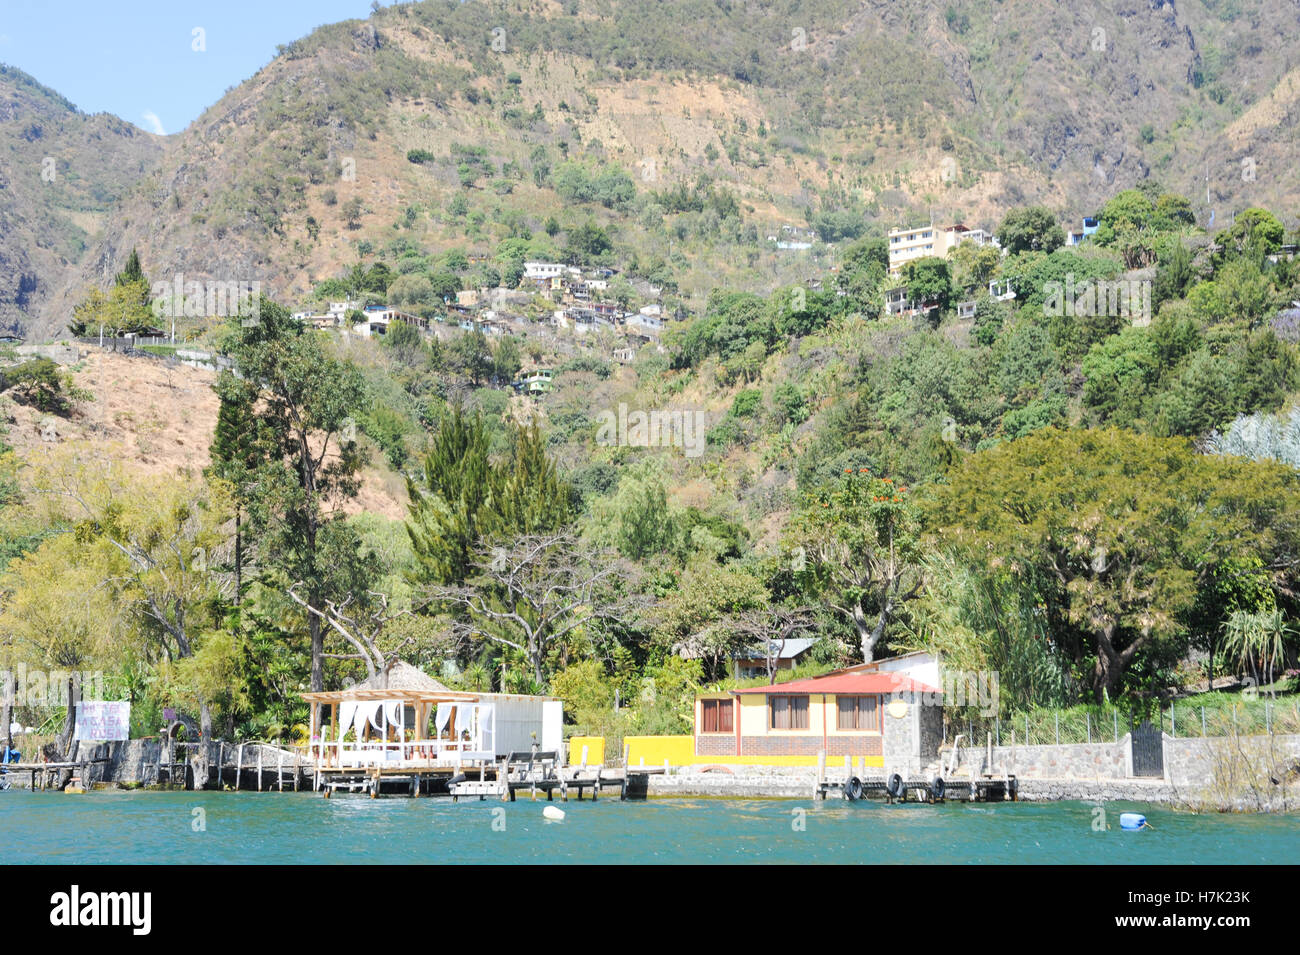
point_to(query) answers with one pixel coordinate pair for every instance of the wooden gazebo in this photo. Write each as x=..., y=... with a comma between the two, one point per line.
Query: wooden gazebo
x=388, y=717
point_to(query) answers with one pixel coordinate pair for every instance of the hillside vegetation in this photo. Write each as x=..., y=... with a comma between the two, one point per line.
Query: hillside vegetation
x=807, y=114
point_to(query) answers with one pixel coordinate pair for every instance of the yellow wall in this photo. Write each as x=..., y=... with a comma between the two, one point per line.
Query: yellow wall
x=822, y=709
x=595, y=750
x=680, y=751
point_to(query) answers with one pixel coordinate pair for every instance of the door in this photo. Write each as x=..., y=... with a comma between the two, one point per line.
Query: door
x=1148, y=744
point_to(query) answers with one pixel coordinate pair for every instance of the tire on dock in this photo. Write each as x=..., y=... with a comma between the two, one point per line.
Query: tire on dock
x=894, y=786
x=852, y=790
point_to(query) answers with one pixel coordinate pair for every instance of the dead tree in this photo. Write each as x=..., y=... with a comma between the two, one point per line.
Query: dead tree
x=533, y=591
x=770, y=628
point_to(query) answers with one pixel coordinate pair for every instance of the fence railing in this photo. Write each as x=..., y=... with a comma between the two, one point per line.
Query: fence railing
x=1261, y=716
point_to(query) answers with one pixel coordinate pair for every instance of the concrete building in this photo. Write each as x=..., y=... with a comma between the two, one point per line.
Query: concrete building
x=907, y=245
x=889, y=713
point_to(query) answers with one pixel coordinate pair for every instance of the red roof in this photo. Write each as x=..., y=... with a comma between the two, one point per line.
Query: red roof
x=847, y=682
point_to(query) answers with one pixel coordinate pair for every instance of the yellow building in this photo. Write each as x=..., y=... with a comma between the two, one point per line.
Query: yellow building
x=863, y=711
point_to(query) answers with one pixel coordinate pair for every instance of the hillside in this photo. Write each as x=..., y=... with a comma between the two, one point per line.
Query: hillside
x=61, y=174
x=156, y=416
x=807, y=114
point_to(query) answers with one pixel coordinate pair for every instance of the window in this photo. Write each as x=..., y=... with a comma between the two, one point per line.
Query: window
x=715, y=716
x=788, y=712
x=858, y=713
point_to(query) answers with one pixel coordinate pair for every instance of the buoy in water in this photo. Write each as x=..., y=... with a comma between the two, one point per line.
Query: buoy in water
x=1132, y=820
x=553, y=814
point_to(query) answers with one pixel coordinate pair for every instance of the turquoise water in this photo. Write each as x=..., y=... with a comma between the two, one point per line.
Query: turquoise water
x=306, y=828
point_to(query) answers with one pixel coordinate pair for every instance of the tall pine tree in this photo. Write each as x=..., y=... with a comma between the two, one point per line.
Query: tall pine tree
x=468, y=500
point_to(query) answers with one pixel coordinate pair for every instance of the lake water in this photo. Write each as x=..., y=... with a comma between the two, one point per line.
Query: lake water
x=151, y=827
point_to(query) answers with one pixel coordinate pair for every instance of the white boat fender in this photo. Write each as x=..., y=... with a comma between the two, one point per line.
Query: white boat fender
x=553, y=814
x=1133, y=820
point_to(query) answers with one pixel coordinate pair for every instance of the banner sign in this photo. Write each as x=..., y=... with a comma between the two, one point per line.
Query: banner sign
x=103, y=720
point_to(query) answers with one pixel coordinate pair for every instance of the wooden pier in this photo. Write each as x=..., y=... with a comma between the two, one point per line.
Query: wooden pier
x=41, y=772
x=535, y=773
x=896, y=788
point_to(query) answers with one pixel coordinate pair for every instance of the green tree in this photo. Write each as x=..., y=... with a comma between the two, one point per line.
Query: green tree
x=1033, y=229
x=929, y=282
x=860, y=541
x=466, y=499
x=306, y=402
x=1128, y=527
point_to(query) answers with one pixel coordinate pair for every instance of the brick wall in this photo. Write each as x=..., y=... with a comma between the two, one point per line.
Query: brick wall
x=810, y=745
x=721, y=744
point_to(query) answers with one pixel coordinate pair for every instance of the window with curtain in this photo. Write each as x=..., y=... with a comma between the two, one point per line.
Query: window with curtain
x=858, y=713
x=716, y=716
x=788, y=712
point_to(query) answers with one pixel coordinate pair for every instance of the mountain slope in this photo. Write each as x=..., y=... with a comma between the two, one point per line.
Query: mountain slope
x=874, y=115
x=61, y=174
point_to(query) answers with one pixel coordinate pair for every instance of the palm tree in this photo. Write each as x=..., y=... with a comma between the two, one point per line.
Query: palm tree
x=1255, y=642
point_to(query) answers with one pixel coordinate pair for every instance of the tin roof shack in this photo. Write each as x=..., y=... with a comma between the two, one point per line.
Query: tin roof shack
x=888, y=717
x=404, y=720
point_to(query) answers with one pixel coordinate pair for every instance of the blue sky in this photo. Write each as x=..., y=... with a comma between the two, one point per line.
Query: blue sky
x=136, y=58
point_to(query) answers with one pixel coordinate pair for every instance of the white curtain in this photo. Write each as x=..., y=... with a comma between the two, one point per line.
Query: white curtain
x=347, y=713
x=393, y=712
x=444, y=714
x=366, y=714
x=464, y=719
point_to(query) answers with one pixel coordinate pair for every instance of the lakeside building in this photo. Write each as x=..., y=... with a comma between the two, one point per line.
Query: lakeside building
x=785, y=655
x=405, y=720
x=885, y=711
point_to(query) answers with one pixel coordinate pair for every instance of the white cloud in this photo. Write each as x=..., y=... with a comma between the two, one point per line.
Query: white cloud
x=155, y=124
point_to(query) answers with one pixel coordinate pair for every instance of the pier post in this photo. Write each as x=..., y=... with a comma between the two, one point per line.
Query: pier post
x=279, y=771
x=819, y=790
x=259, y=769
x=240, y=766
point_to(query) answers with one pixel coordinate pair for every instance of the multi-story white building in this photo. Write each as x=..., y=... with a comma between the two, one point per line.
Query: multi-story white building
x=907, y=245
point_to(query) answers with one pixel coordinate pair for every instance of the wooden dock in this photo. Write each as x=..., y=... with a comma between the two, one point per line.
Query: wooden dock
x=897, y=789
x=41, y=772
x=539, y=773
x=990, y=787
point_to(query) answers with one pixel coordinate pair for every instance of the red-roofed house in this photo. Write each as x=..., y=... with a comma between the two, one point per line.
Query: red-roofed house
x=889, y=713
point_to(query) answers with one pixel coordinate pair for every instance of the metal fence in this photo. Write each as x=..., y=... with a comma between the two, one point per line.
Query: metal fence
x=1261, y=716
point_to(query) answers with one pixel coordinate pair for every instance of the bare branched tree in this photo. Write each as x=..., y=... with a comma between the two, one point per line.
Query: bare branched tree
x=535, y=590
x=768, y=628
x=361, y=627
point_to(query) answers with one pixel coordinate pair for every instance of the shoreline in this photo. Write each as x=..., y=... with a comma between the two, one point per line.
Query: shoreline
x=772, y=783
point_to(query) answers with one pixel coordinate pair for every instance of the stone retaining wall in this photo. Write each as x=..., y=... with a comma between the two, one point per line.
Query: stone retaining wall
x=141, y=762
x=1201, y=762
x=1063, y=761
